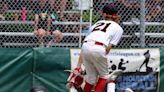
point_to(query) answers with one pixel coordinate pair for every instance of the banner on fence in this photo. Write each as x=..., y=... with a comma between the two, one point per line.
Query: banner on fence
x=140, y=67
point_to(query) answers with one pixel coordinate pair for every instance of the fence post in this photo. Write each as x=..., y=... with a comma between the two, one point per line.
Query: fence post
x=91, y=10
x=81, y=21
x=142, y=25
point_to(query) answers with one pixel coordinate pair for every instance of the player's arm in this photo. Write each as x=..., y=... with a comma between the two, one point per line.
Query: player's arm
x=80, y=61
x=75, y=79
x=115, y=40
x=108, y=48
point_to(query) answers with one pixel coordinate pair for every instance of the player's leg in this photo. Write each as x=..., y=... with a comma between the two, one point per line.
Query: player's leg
x=87, y=87
x=111, y=81
x=100, y=85
x=90, y=69
x=111, y=86
x=101, y=65
x=90, y=78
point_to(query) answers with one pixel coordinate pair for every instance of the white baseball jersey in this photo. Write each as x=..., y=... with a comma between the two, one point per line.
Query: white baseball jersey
x=106, y=32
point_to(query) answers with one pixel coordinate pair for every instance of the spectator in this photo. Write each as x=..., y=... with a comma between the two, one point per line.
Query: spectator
x=132, y=7
x=43, y=22
x=3, y=9
x=97, y=6
x=153, y=10
x=59, y=6
x=128, y=9
x=131, y=11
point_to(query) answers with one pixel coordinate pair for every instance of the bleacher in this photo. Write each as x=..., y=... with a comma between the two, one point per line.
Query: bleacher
x=16, y=33
x=30, y=38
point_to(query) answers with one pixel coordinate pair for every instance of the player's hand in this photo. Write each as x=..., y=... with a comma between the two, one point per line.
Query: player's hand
x=72, y=77
x=77, y=70
x=78, y=80
x=107, y=50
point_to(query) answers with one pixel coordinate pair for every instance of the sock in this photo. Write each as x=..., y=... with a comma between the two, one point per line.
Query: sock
x=100, y=85
x=87, y=87
x=111, y=86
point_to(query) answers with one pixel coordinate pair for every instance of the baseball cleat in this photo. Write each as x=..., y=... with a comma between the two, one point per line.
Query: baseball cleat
x=128, y=90
x=115, y=74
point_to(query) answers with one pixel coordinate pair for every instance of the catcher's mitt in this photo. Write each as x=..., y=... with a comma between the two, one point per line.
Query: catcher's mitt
x=75, y=79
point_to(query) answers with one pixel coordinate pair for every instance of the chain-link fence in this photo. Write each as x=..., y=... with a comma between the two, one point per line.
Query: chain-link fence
x=74, y=17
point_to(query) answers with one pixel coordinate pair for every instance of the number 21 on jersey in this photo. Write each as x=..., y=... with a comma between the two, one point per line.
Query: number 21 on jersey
x=101, y=27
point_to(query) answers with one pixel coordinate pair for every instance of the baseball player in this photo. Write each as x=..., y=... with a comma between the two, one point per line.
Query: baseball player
x=102, y=36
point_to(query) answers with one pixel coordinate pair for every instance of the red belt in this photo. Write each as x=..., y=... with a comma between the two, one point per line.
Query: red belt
x=97, y=43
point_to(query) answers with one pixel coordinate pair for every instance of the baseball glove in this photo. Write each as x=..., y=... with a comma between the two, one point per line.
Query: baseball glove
x=75, y=79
